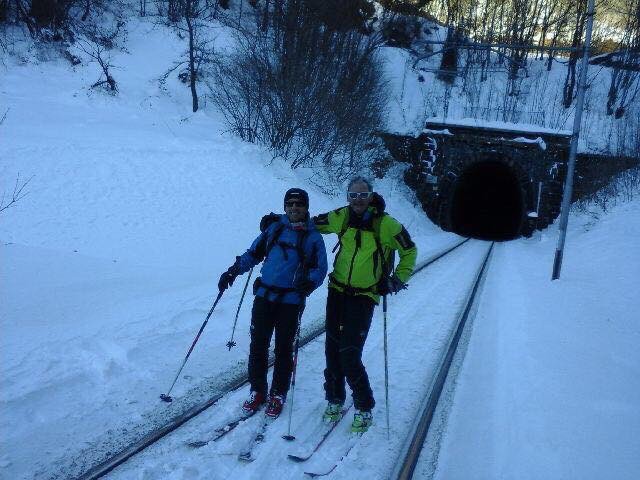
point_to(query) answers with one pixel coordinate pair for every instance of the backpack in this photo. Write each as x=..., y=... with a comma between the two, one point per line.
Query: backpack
x=274, y=240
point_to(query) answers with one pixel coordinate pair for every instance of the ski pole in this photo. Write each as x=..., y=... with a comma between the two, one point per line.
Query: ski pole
x=386, y=362
x=231, y=343
x=165, y=396
x=288, y=436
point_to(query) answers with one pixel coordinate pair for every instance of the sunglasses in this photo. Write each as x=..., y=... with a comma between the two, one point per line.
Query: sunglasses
x=294, y=204
x=360, y=195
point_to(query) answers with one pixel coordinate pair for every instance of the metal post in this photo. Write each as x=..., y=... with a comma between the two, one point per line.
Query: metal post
x=538, y=208
x=577, y=120
x=539, y=195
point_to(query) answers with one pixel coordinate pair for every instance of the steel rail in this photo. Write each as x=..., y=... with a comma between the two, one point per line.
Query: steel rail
x=415, y=442
x=133, y=449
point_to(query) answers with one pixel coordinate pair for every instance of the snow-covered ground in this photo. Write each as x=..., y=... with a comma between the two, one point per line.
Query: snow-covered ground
x=110, y=263
x=550, y=385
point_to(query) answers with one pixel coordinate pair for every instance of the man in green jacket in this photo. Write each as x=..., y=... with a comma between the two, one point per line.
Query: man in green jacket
x=367, y=240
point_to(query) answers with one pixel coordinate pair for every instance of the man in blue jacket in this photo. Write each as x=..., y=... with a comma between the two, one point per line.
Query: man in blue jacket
x=295, y=264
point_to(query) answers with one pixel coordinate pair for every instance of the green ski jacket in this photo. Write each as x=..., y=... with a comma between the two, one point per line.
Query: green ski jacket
x=366, y=247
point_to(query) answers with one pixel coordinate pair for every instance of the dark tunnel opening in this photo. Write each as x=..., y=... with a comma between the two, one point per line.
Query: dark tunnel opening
x=487, y=202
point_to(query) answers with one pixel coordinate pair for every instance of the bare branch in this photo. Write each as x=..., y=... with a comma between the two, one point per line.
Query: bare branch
x=18, y=193
x=96, y=51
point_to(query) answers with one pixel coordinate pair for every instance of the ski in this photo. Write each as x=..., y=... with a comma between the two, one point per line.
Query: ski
x=246, y=454
x=220, y=432
x=315, y=440
x=352, y=443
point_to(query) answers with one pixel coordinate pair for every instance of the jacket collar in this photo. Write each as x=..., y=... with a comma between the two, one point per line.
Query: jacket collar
x=306, y=224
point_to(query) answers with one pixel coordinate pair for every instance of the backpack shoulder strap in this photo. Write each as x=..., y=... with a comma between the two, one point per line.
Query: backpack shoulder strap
x=302, y=237
x=274, y=239
x=345, y=226
x=377, y=221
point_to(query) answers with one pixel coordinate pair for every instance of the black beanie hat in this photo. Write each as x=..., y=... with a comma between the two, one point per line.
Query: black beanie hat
x=297, y=194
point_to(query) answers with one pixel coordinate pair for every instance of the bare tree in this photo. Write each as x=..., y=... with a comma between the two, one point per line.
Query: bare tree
x=4, y=10
x=191, y=24
x=625, y=63
x=576, y=41
x=51, y=13
x=97, y=43
x=312, y=94
x=558, y=24
x=18, y=193
x=189, y=12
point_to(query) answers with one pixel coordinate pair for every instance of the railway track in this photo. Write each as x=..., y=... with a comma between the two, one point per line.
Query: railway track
x=413, y=446
x=113, y=460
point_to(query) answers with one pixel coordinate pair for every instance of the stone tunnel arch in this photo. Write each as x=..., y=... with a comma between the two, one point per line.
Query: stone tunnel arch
x=450, y=161
x=486, y=198
x=487, y=201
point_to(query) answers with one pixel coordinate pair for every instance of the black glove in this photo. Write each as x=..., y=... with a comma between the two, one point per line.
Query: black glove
x=268, y=220
x=378, y=202
x=227, y=278
x=391, y=285
x=305, y=286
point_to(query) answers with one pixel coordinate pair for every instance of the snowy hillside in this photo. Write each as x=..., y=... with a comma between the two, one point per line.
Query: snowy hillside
x=533, y=100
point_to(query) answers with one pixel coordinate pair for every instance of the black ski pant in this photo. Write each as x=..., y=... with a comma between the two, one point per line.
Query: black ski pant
x=347, y=326
x=265, y=317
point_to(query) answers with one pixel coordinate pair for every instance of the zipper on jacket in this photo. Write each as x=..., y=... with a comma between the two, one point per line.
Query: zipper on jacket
x=355, y=252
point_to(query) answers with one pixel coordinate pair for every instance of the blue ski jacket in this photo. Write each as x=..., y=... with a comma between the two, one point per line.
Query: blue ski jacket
x=283, y=268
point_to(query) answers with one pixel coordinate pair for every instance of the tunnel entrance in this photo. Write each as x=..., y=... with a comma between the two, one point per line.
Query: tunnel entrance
x=487, y=202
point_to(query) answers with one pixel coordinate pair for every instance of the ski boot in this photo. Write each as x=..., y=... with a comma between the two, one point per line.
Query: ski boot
x=253, y=403
x=333, y=413
x=362, y=420
x=274, y=408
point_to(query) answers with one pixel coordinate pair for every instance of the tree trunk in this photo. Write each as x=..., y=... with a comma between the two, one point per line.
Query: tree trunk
x=4, y=10
x=265, y=17
x=87, y=6
x=192, y=61
x=570, y=79
x=48, y=13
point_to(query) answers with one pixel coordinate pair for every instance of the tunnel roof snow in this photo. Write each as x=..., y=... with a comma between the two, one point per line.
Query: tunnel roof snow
x=496, y=126
x=541, y=143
